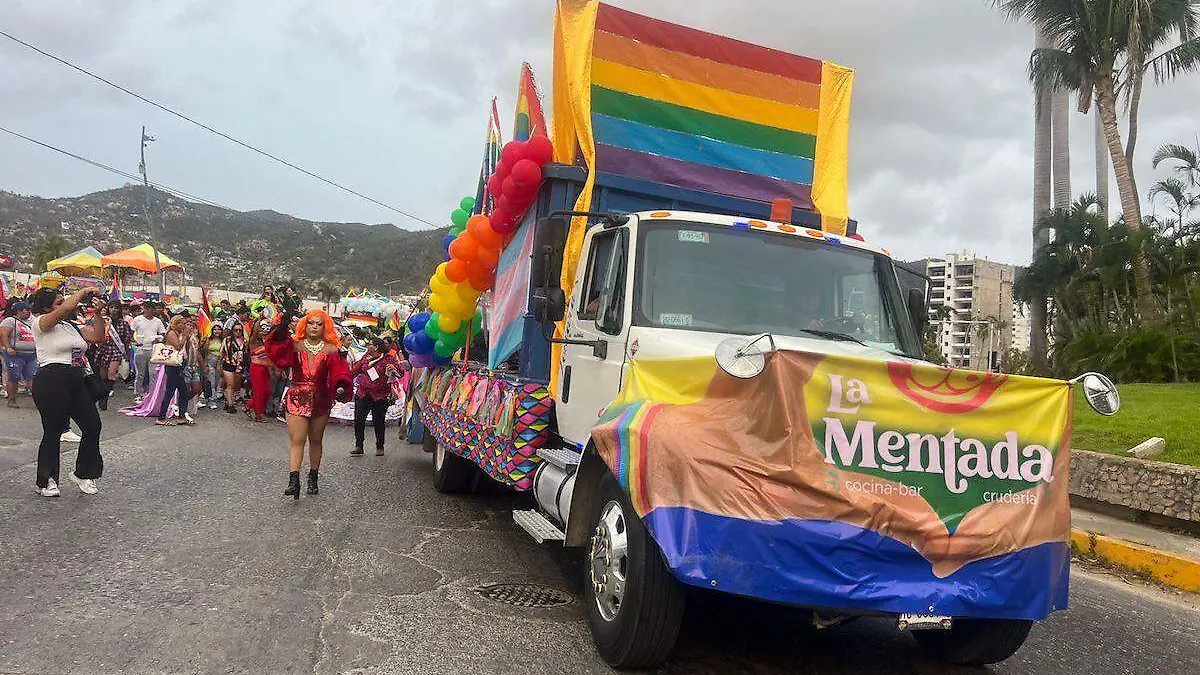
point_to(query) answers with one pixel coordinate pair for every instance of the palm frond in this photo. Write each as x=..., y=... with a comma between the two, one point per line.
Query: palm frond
x=1178, y=152
x=1171, y=187
x=1180, y=59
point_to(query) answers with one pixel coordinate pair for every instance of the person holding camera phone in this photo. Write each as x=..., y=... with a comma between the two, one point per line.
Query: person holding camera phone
x=59, y=389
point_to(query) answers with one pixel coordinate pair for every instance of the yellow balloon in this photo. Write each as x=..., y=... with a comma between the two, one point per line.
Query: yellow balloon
x=459, y=306
x=437, y=303
x=441, y=274
x=467, y=292
x=449, y=323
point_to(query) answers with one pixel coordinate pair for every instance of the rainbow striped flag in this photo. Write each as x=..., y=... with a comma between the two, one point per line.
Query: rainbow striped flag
x=531, y=119
x=665, y=103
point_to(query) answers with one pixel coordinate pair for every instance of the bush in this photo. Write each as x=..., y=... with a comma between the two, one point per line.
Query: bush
x=1153, y=354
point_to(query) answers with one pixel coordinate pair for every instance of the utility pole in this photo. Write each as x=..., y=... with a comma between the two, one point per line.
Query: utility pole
x=162, y=291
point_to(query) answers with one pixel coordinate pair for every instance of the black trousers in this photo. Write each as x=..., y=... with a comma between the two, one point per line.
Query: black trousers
x=60, y=396
x=174, y=384
x=378, y=410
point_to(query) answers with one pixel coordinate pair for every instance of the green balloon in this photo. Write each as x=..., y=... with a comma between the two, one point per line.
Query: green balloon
x=432, y=329
x=457, y=230
x=460, y=217
x=443, y=349
x=467, y=204
x=456, y=339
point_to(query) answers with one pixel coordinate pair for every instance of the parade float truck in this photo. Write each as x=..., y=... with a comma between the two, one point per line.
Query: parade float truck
x=721, y=393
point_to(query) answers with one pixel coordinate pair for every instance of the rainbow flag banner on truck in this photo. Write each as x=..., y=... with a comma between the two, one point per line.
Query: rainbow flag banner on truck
x=859, y=484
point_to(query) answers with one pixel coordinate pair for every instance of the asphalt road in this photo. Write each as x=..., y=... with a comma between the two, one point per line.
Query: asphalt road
x=190, y=560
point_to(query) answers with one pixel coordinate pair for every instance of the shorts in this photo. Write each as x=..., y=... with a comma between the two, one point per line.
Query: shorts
x=22, y=367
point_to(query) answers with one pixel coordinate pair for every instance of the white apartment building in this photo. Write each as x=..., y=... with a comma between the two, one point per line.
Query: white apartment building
x=982, y=322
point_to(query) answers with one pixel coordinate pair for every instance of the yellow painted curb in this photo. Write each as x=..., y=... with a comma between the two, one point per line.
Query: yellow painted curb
x=1170, y=569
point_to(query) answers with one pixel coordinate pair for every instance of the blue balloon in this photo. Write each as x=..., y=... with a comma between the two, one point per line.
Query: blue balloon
x=410, y=343
x=446, y=241
x=416, y=322
x=424, y=343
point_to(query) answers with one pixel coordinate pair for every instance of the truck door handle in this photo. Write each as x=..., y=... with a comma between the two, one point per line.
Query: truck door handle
x=566, y=395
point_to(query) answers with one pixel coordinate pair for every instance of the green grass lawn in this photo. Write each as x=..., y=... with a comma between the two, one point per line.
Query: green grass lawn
x=1166, y=410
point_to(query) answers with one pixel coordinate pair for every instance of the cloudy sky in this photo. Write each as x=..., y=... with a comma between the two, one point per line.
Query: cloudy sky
x=390, y=97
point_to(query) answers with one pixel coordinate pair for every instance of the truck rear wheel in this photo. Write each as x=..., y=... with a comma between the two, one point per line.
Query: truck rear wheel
x=451, y=474
x=975, y=642
x=634, y=605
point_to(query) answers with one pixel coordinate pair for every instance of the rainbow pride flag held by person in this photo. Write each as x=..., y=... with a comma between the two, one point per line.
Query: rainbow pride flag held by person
x=848, y=483
x=530, y=119
x=204, y=315
x=484, y=199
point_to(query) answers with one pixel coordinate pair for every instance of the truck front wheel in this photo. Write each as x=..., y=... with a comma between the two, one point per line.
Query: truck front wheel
x=451, y=474
x=634, y=605
x=975, y=642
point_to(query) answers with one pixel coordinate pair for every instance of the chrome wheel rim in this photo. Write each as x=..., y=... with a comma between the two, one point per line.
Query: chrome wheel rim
x=609, y=558
x=439, y=457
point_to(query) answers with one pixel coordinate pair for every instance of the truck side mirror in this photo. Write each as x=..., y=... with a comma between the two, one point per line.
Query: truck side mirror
x=917, y=310
x=548, y=302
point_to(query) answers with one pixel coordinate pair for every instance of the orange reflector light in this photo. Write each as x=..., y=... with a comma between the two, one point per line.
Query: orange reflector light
x=757, y=223
x=781, y=210
x=661, y=214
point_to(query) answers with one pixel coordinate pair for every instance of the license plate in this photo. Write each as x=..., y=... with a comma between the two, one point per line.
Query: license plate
x=925, y=622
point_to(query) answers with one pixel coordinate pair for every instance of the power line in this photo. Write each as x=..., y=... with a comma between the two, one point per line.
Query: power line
x=133, y=177
x=222, y=134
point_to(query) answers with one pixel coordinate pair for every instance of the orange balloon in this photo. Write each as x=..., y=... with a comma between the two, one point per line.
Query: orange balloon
x=457, y=271
x=464, y=248
x=481, y=229
x=487, y=258
x=482, y=279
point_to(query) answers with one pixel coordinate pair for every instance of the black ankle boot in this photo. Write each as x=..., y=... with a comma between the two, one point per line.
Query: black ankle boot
x=312, y=481
x=293, y=487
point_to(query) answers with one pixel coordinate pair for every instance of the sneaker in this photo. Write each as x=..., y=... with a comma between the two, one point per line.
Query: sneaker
x=379, y=452
x=281, y=418
x=187, y=419
x=69, y=436
x=213, y=405
x=137, y=400
x=12, y=403
x=51, y=489
x=86, y=485
x=356, y=452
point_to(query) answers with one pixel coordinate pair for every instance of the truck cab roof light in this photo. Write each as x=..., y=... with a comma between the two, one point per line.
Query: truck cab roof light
x=781, y=210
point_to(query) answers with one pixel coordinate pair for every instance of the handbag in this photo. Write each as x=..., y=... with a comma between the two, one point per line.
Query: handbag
x=166, y=355
x=97, y=388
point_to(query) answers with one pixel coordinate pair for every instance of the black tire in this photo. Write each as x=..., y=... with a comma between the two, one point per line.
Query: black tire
x=451, y=474
x=642, y=631
x=975, y=642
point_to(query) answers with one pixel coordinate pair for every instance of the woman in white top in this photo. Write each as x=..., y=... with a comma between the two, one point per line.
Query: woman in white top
x=59, y=390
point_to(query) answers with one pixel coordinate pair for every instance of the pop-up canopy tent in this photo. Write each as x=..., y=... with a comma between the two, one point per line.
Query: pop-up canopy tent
x=141, y=257
x=82, y=263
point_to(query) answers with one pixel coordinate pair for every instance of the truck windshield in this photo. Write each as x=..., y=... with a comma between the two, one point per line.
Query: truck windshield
x=713, y=278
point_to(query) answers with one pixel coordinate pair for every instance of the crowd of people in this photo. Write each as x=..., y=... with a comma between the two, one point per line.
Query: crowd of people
x=269, y=358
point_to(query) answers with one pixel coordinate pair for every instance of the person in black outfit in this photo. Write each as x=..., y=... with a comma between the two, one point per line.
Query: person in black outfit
x=60, y=390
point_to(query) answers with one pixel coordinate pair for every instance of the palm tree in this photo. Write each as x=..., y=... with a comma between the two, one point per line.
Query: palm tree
x=1189, y=162
x=1042, y=173
x=1101, y=50
x=327, y=292
x=1181, y=203
x=50, y=247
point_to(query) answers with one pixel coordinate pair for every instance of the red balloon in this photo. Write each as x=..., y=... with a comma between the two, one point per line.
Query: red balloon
x=510, y=189
x=502, y=204
x=513, y=151
x=539, y=149
x=487, y=258
x=495, y=184
x=481, y=231
x=482, y=279
x=526, y=174
x=504, y=228
x=457, y=270
x=464, y=248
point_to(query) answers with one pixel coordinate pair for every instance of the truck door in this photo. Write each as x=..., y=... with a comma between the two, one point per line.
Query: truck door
x=598, y=312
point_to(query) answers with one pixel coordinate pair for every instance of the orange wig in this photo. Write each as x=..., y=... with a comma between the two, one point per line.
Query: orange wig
x=330, y=333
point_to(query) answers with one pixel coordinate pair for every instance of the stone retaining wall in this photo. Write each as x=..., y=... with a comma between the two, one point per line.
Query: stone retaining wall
x=1171, y=490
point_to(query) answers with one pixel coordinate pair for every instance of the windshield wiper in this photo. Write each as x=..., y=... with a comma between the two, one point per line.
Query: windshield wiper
x=833, y=335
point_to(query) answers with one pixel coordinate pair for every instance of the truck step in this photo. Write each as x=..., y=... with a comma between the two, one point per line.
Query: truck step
x=563, y=458
x=537, y=526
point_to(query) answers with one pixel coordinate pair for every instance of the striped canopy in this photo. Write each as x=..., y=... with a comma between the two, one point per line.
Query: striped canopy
x=82, y=263
x=141, y=257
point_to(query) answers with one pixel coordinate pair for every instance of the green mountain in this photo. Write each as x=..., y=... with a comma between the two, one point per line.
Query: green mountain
x=221, y=247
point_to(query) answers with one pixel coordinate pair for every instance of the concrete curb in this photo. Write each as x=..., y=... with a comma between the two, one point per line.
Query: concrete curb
x=1168, y=568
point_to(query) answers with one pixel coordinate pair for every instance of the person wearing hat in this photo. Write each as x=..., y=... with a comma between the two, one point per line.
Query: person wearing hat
x=19, y=353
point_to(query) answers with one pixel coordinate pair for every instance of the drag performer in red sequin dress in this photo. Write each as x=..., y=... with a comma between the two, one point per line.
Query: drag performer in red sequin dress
x=319, y=375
